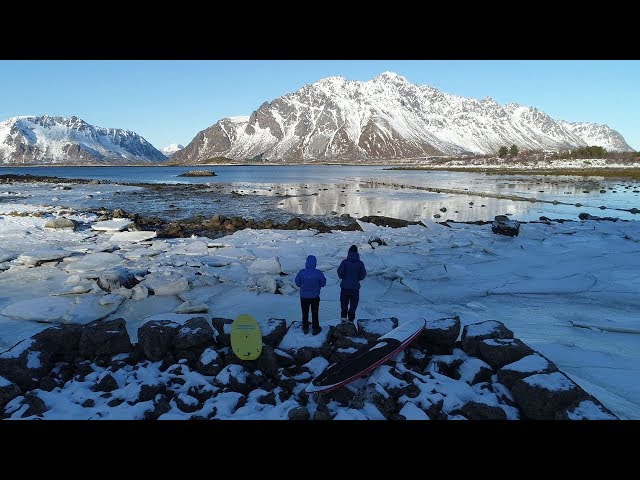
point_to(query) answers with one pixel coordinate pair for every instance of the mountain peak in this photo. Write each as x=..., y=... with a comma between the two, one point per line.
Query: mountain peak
x=390, y=77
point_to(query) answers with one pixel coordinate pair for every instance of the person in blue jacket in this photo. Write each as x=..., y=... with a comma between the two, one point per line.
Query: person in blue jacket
x=310, y=280
x=351, y=271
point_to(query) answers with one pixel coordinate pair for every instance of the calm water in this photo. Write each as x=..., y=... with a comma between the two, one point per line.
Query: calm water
x=325, y=191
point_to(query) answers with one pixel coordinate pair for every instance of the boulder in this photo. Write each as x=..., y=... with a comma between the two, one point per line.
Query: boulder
x=268, y=399
x=272, y=329
x=542, y=396
x=47, y=383
x=106, y=384
x=283, y=359
x=510, y=228
x=150, y=392
x=36, y=405
x=265, y=265
x=499, y=352
x=475, y=333
x=268, y=361
x=443, y=331
x=25, y=363
x=373, y=328
x=525, y=367
x=195, y=333
x=299, y=413
x=223, y=327
x=155, y=338
x=61, y=223
x=473, y=370
x=8, y=391
x=61, y=341
x=187, y=403
x=119, y=277
x=321, y=416
x=104, y=339
x=481, y=411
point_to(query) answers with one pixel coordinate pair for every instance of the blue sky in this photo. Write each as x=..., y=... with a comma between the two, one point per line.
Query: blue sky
x=171, y=101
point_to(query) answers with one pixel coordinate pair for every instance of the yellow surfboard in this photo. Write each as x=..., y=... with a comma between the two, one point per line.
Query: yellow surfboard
x=246, y=338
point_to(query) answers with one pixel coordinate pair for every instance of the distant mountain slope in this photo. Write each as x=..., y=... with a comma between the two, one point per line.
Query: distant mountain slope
x=171, y=149
x=61, y=140
x=384, y=118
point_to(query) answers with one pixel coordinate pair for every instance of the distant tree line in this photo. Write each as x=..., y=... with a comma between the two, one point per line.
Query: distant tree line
x=504, y=151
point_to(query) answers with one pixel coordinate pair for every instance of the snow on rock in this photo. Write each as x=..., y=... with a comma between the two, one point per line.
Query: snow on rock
x=587, y=410
x=474, y=334
x=115, y=225
x=442, y=331
x=80, y=309
x=104, y=339
x=502, y=351
x=272, y=329
x=542, y=396
x=372, y=328
x=411, y=412
x=526, y=366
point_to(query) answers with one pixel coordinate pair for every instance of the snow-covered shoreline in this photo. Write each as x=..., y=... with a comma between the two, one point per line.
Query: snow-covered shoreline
x=541, y=284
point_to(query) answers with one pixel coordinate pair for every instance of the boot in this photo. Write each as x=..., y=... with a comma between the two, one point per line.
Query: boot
x=305, y=328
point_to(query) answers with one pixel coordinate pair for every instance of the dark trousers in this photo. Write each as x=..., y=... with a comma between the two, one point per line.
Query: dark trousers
x=349, y=300
x=314, y=303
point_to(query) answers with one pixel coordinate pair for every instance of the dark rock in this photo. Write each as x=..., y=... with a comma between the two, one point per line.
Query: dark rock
x=61, y=341
x=268, y=361
x=376, y=395
x=287, y=384
x=106, y=384
x=387, y=221
x=36, y=405
x=376, y=241
x=283, y=358
x=119, y=213
x=195, y=333
x=499, y=352
x=187, y=403
x=543, y=395
x=304, y=354
x=448, y=368
x=339, y=354
x=481, y=411
x=189, y=358
x=104, y=339
x=474, y=334
x=321, y=416
x=272, y=329
x=434, y=411
x=525, y=367
x=149, y=392
x=242, y=401
x=299, y=413
x=119, y=277
x=156, y=338
x=510, y=228
x=224, y=339
x=443, y=331
x=83, y=369
x=373, y=328
x=24, y=364
x=114, y=402
x=268, y=399
x=8, y=391
x=88, y=403
x=343, y=329
x=61, y=223
x=349, y=342
x=48, y=383
x=160, y=406
x=342, y=395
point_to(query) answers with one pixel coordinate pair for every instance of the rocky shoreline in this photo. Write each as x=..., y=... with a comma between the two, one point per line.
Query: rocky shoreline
x=188, y=370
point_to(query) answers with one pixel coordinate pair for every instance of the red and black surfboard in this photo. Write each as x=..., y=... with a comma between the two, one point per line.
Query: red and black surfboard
x=367, y=358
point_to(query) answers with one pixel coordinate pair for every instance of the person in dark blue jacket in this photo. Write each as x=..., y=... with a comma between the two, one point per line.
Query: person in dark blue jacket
x=310, y=280
x=351, y=271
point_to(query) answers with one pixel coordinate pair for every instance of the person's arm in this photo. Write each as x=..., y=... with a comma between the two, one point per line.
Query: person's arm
x=341, y=270
x=298, y=283
x=323, y=279
x=363, y=271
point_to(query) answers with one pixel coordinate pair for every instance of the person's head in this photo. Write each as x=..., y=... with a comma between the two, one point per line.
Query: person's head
x=311, y=262
x=353, y=248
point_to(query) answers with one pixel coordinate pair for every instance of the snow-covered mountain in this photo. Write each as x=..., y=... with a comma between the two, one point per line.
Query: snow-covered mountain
x=61, y=140
x=385, y=118
x=171, y=149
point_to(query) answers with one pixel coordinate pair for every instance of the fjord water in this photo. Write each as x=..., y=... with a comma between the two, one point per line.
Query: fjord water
x=329, y=190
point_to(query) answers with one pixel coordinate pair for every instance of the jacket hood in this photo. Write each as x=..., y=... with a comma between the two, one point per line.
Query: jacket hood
x=311, y=262
x=353, y=256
